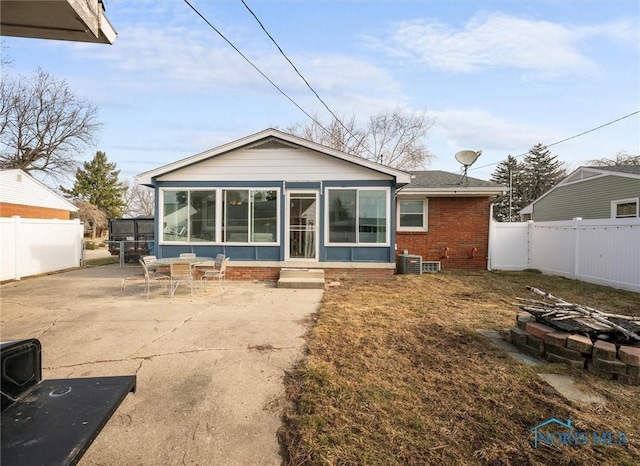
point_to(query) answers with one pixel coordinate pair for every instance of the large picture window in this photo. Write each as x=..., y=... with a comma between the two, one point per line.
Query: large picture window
x=358, y=216
x=220, y=215
x=250, y=216
x=412, y=215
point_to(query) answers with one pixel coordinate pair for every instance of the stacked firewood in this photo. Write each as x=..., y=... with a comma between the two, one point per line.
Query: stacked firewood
x=576, y=318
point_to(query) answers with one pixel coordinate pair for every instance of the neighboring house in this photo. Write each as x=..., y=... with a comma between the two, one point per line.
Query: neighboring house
x=272, y=200
x=74, y=20
x=24, y=196
x=590, y=193
x=37, y=234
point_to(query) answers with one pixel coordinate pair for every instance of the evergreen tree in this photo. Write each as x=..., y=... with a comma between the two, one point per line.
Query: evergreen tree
x=97, y=183
x=542, y=171
x=538, y=172
x=509, y=173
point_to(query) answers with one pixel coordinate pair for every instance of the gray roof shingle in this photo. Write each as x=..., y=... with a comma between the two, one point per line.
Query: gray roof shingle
x=631, y=169
x=434, y=179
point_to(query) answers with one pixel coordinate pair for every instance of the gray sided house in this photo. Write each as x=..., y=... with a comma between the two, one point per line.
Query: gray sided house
x=273, y=201
x=590, y=193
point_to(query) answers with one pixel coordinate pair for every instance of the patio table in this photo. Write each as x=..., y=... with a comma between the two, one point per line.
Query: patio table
x=170, y=260
x=164, y=263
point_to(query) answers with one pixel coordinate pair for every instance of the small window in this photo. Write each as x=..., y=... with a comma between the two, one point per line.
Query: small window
x=625, y=208
x=412, y=215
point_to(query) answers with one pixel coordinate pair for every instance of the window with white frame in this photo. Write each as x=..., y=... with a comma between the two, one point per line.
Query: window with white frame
x=357, y=216
x=412, y=215
x=625, y=208
x=249, y=216
x=220, y=215
x=188, y=216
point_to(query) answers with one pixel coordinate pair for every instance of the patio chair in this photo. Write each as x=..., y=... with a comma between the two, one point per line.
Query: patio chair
x=180, y=272
x=147, y=276
x=187, y=255
x=149, y=259
x=218, y=273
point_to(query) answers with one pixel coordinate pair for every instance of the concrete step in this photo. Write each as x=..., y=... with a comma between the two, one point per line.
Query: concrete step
x=301, y=283
x=302, y=273
x=301, y=279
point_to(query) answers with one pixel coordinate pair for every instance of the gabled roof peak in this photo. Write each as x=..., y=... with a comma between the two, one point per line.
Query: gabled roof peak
x=271, y=136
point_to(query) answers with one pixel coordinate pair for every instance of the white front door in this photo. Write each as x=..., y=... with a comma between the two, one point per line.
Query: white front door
x=302, y=225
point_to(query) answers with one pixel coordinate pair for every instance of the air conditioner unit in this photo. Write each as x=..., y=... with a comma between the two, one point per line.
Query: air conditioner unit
x=431, y=266
x=409, y=265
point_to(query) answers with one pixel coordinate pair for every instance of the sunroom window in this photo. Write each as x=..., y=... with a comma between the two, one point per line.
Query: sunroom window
x=250, y=216
x=189, y=215
x=214, y=215
x=358, y=216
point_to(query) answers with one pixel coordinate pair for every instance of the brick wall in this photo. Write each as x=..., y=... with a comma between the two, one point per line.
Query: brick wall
x=273, y=273
x=459, y=224
x=28, y=211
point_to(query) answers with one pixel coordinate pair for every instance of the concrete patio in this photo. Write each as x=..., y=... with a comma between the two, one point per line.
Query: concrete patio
x=209, y=367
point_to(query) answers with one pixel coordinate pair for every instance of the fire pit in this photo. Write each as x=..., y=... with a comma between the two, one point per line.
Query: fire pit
x=582, y=320
x=603, y=343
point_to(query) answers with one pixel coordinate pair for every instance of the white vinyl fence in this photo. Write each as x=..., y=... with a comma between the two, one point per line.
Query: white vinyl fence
x=31, y=246
x=606, y=252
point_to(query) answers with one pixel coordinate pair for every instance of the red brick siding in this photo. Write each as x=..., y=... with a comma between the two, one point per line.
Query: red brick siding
x=361, y=274
x=28, y=211
x=253, y=273
x=273, y=273
x=457, y=223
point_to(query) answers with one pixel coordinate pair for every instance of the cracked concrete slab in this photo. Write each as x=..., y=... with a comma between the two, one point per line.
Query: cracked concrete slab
x=209, y=368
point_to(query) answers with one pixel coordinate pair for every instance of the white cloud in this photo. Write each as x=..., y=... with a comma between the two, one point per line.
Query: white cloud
x=501, y=41
x=180, y=59
x=478, y=129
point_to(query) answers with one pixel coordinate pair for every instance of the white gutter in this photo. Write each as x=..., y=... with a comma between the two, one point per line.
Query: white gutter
x=457, y=191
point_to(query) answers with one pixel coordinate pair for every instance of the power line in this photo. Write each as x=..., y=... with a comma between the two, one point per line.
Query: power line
x=254, y=66
x=360, y=142
x=567, y=139
x=265, y=76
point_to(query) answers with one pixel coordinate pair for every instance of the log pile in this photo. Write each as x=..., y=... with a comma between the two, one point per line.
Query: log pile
x=605, y=344
x=578, y=319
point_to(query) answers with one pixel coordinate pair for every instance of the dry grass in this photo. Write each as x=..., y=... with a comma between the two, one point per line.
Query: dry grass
x=103, y=261
x=397, y=373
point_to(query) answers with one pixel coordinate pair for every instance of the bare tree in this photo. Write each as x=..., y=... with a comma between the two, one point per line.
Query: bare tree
x=396, y=139
x=43, y=125
x=391, y=138
x=5, y=58
x=343, y=135
x=139, y=200
x=93, y=216
x=622, y=158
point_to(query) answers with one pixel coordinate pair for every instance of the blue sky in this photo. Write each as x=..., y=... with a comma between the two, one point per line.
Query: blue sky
x=496, y=76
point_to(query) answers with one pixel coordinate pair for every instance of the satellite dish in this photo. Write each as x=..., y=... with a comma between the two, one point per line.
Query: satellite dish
x=467, y=158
